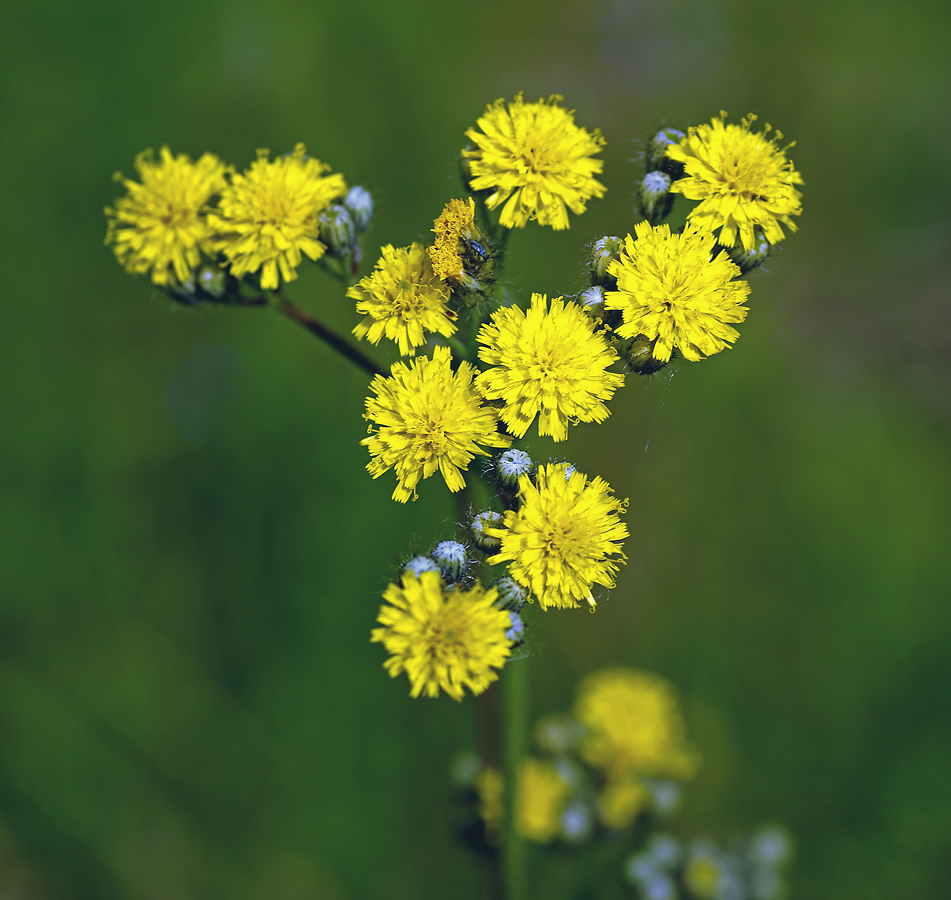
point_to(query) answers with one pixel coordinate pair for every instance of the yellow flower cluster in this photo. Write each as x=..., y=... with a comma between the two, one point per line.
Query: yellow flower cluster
x=443, y=639
x=743, y=180
x=535, y=160
x=673, y=290
x=561, y=539
x=426, y=418
x=263, y=220
x=161, y=225
x=401, y=299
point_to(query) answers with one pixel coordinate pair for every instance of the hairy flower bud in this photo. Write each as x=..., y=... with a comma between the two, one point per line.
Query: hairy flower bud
x=657, y=152
x=654, y=197
x=511, y=596
x=603, y=252
x=359, y=203
x=337, y=230
x=487, y=519
x=419, y=564
x=451, y=557
x=511, y=465
x=748, y=260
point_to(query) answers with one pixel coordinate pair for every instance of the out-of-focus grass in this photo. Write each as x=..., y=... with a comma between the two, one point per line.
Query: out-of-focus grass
x=192, y=553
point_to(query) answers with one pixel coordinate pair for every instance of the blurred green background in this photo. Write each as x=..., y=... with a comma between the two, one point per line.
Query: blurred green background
x=192, y=553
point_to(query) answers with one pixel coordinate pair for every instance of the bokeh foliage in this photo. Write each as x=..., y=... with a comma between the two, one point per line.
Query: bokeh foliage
x=192, y=553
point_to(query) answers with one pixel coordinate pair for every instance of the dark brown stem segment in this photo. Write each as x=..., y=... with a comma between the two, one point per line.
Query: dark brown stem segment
x=342, y=346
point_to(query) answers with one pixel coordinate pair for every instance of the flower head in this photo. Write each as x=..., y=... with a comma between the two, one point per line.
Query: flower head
x=160, y=224
x=449, y=639
x=426, y=417
x=540, y=800
x=634, y=726
x=621, y=800
x=547, y=363
x=559, y=541
x=268, y=216
x=402, y=298
x=459, y=253
x=674, y=292
x=535, y=160
x=742, y=179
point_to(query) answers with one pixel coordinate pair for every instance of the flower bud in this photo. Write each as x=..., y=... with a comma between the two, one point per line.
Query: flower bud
x=511, y=596
x=657, y=152
x=451, y=557
x=748, y=260
x=577, y=822
x=488, y=519
x=185, y=292
x=603, y=252
x=419, y=564
x=359, y=203
x=337, y=230
x=654, y=196
x=592, y=301
x=212, y=280
x=516, y=634
x=511, y=465
x=640, y=357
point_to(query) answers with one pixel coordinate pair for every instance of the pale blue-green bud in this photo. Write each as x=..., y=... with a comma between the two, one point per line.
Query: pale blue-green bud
x=359, y=204
x=592, y=301
x=657, y=152
x=660, y=887
x=654, y=197
x=771, y=846
x=451, y=558
x=748, y=260
x=419, y=564
x=666, y=796
x=337, y=230
x=488, y=519
x=664, y=850
x=185, y=292
x=512, y=465
x=212, y=281
x=640, y=869
x=577, y=822
x=516, y=634
x=557, y=733
x=511, y=596
x=603, y=252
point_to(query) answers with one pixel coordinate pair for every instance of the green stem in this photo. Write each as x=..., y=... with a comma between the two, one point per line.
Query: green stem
x=341, y=345
x=514, y=683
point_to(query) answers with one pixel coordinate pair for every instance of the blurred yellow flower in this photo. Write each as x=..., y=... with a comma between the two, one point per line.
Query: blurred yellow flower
x=540, y=800
x=634, y=726
x=267, y=216
x=546, y=363
x=535, y=160
x=402, y=298
x=560, y=540
x=446, y=639
x=426, y=417
x=675, y=292
x=621, y=800
x=161, y=223
x=742, y=179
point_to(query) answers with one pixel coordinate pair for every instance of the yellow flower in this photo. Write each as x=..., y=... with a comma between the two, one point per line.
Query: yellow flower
x=547, y=363
x=460, y=252
x=540, y=801
x=427, y=417
x=402, y=298
x=634, y=726
x=671, y=291
x=490, y=790
x=449, y=639
x=621, y=800
x=160, y=224
x=268, y=216
x=743, y=180
x=561, y=537
x=535, y=160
